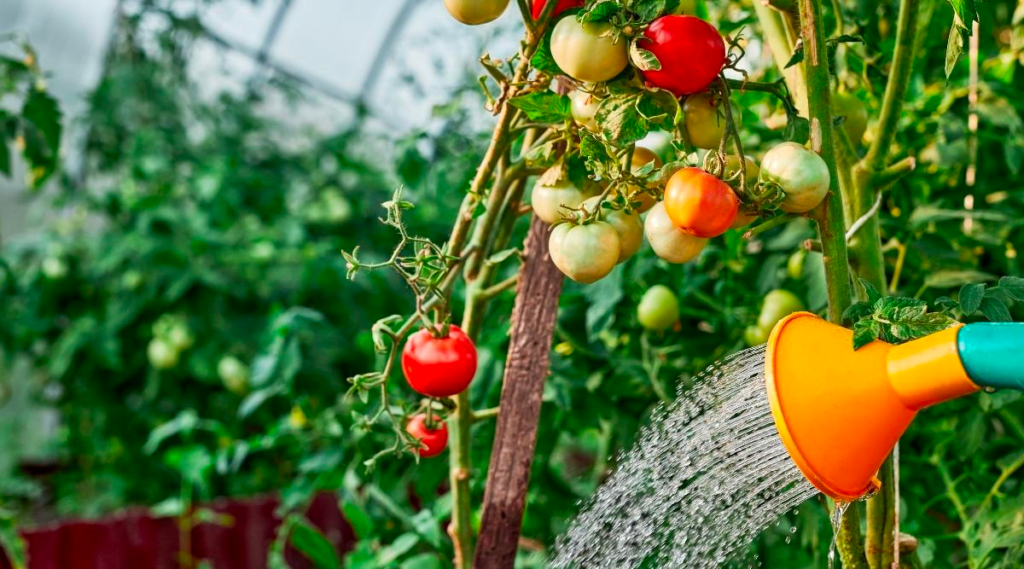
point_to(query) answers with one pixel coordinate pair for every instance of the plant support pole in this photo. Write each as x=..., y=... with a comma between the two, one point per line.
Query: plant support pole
x=533, y=324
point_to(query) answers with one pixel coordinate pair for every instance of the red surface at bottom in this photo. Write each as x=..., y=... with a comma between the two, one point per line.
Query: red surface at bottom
x=136, y=540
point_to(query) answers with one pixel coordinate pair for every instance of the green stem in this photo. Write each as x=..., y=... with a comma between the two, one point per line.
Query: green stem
x=829, y=215
x=774, y=30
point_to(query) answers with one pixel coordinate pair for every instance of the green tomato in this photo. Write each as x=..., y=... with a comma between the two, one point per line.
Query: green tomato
x=855, y=113
x=755, y=335
x=705, y=120
x=668, y=241
x=336, y=207
x=658, y=309
x=180, y=336
x=778, y=304
x=584, y=106
x=54, y=268
x=161, y=354
x=584, y=253
x=627, y=225
x=588, y=52
x=548, y=201
x=795, y=264
x=802, y=175
x=233, y=374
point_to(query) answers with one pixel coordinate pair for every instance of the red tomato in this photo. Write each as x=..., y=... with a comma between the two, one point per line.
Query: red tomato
x=691, y=52
x=563, y=5
x=699, y=203
x=432, y=442
x=439, y=367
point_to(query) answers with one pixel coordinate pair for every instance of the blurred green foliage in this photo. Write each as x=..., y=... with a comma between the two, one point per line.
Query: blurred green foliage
x=210, y=212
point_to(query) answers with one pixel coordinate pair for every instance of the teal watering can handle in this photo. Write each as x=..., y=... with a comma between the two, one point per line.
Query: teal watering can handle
x=993, y=354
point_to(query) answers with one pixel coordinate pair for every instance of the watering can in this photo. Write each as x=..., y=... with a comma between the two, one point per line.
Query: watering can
x=840, y=412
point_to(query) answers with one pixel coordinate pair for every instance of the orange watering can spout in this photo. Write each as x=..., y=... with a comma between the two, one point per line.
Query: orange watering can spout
x=840, y=412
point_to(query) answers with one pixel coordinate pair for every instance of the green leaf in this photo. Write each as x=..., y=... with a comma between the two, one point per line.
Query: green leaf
x=621, y=120
x=601, y=11
x=648, y=10
x=257, y=398
x=542, y=59
x=311, y=542
x=184, y=423
x=602, y=298
x=995, y=310
x=361, y=522
x=950, y=279
x=865, y=332
x=1014, y=287
x=857, y=312
x=544, y=106
x=970, y=297
x=872, y=293
x=797, y=57
x=422, y=561
x=402, y=545
x=899, y=308
x=641, y=58
x=929, y=324
x=966, y=11
x=954, y=48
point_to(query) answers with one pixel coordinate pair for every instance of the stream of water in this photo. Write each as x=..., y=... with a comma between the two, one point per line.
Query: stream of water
x=706, y=476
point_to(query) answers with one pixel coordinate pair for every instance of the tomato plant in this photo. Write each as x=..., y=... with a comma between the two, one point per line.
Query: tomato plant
x=691, y=53
x=439, y=365
x=705, y=123
x=552, y=201
x=627, y=225
x=699, y=203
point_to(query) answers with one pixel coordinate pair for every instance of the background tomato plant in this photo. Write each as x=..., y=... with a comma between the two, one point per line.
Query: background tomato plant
x=237, y=233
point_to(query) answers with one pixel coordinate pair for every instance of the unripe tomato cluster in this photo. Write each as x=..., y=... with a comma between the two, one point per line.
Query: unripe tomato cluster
x=437, y=365
x=171, y=337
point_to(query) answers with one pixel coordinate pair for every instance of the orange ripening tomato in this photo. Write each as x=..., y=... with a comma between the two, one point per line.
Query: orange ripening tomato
x=699, y=203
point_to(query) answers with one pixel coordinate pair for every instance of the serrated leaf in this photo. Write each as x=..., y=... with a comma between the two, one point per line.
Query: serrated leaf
x=995, y=310
x=970, y=297
x=899, y=308
x=601, y=11
x=542, y=59
x=872, y=293
x=857, y=312
x=944, y=304
x=931, y=323
x=648, y=10
x=621, y=120
x=865, y=332
x=641, y=58
x=544, y=106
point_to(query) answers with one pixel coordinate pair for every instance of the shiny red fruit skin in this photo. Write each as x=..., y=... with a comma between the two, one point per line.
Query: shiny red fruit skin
x=432, y=442
x=691, y=52
x=439, y=367
x=563, y=5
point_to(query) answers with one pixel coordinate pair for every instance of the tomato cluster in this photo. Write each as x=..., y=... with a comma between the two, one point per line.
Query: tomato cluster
x=437, y=364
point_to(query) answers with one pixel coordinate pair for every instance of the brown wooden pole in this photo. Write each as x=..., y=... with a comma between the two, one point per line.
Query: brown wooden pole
x=533, y=324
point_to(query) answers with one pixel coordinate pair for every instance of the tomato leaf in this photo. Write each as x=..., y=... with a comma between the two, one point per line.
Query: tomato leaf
x=1014, y=286
x=873, y=295
x=857, y=312
x=648, y=10
x=641, y=58
x=601, y=11
x=542, y=59
x=621, y=120
x=995, y=310
x=971, y=296
x=955, y=46
x=899, y=308
x=312, y=543
x=544, y=106
x=865, y=332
